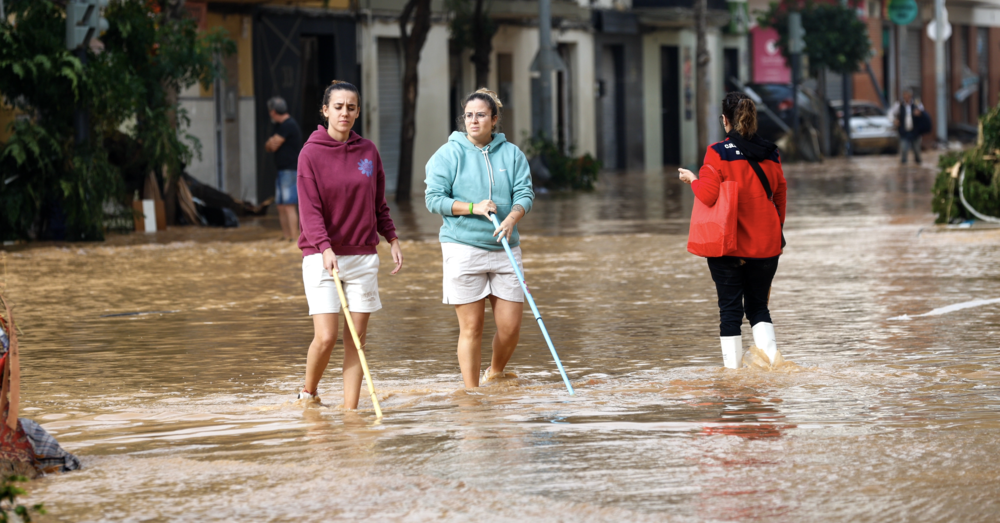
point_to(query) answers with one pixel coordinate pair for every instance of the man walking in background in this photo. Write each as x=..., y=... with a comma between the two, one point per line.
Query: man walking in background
x=907, y=116
x=285, y=144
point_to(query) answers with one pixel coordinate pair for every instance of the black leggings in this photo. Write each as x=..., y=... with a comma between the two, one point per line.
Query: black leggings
x=744, y=285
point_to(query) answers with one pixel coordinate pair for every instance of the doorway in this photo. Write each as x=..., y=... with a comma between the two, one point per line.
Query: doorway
x=670, y=104
x=730, y=68
x=390, y=109
x=505, y=83
x=280, y=41
x=612, y=93
x=319, y=66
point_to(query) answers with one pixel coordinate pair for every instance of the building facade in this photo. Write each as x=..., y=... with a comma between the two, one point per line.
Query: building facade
x=904, y=58
x=623, y=93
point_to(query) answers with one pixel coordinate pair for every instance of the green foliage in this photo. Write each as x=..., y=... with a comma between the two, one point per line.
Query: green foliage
x=148, y=59
x=835, y=37
x=567, y=171
x=9, y=506
x=982, y=176
x=40, y=161
x=52, y=187
x=463, y=22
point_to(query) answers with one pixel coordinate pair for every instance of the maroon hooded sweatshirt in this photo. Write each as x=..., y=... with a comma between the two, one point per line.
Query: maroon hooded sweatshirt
x=341, y=196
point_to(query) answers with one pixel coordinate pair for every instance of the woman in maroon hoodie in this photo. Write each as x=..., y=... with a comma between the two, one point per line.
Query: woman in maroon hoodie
x=743, y=277
x=342, y=210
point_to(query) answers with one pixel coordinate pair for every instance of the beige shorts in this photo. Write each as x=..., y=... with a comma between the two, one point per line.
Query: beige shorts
x=471, y=274
x=359, y=274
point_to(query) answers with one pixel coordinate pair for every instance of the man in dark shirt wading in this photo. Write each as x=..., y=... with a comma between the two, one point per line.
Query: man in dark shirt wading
x=285, y=144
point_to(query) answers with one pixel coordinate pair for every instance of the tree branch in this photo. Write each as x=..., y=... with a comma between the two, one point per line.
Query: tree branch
x=404, y=20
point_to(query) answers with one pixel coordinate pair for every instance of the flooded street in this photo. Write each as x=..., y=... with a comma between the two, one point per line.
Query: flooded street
x=185, y=411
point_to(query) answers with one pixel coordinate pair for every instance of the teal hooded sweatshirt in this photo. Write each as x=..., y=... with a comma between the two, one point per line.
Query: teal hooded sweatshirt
x=460, y=171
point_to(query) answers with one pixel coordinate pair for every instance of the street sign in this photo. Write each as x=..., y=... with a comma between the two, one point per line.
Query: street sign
x=739, y=17
x=902, y=12
x=796, y=35
x=84, y=22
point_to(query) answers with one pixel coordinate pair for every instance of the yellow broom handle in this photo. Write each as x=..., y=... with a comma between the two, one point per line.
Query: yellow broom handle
x=357, y=342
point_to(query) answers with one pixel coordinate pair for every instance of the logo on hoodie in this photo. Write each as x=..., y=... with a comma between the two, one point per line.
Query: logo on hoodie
x=366, y=167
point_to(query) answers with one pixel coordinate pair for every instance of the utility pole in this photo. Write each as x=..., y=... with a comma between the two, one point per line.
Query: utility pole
x=701, y=74
x=939, y=79
x=796, y=44
x=846, y=103
x=83, y=23
x=545, y=67
x=546, y=61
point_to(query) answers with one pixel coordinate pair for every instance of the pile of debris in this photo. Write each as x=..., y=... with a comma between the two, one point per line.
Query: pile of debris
x=26, y=449
x=967, y=187
x=185, y=201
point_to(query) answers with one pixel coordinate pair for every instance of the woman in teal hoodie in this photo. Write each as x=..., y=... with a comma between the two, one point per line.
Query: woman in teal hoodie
x=479, y=165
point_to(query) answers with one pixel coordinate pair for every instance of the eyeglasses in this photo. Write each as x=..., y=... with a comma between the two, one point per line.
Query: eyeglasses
x=722, y=121
x=476, y=116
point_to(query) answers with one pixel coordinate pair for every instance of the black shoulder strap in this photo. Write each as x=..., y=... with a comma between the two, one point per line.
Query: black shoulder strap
x=763, y=179
x=767, y=189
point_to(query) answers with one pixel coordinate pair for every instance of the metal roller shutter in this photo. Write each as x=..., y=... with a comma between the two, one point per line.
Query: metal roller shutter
x=390, y=108
x=911, y=61
x=834, y=86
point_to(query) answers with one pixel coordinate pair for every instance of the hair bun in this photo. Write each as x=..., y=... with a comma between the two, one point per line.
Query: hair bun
x=491, y=94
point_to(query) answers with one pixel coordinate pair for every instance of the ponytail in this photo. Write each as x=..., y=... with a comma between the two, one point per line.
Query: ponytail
x=741, y=112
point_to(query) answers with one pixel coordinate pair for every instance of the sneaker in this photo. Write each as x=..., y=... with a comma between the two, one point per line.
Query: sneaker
x=304, y=395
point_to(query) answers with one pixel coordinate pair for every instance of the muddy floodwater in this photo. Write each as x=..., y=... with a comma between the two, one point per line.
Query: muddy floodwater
x=184, y=411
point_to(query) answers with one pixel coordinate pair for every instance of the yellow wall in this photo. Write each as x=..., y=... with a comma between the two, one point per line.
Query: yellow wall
x=240, y=29
x=244, y=54
x=7, y=115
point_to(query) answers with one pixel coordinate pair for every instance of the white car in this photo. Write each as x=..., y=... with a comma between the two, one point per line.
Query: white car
x=872, y=129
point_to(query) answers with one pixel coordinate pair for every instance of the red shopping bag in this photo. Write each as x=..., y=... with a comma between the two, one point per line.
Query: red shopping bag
x=713, y=229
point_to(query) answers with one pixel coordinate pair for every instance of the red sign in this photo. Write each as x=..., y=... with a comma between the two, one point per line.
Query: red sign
x=769, y=66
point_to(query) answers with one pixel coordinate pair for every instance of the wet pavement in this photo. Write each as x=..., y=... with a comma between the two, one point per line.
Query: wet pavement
x=186, y=413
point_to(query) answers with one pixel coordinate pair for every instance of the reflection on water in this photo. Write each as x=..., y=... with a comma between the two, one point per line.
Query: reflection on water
x=169, y=363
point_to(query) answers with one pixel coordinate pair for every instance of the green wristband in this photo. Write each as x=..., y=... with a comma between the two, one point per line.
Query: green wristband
x=470, y=207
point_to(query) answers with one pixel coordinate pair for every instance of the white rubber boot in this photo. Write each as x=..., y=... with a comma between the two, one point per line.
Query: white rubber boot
x=763, y=338
x=732, y=351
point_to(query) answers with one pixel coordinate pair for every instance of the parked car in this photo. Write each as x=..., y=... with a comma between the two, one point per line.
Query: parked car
x=774, y=118
x=778, y=98
x=872, y=128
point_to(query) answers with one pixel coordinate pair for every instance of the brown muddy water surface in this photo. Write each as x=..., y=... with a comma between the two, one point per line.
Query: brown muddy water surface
x=186, y=413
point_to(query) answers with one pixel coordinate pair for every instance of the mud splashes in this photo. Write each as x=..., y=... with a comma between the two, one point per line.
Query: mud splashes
x=755, y=359
x=191, y=415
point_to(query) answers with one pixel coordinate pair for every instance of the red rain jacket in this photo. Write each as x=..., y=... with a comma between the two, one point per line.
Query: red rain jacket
x=758, y=228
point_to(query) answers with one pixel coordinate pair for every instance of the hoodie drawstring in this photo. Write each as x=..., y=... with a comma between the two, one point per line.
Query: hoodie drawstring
x=489, y=167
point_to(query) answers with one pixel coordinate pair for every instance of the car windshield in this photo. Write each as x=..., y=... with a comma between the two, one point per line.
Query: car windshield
x=862, y=109
x=772, y=91
x=866, y=110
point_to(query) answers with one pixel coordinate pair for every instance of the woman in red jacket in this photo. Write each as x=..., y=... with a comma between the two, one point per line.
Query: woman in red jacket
x=743, y=277
x=342, y=210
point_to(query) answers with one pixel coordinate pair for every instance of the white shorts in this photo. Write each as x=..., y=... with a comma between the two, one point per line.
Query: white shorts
x=471, y=274
x=359, y=274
